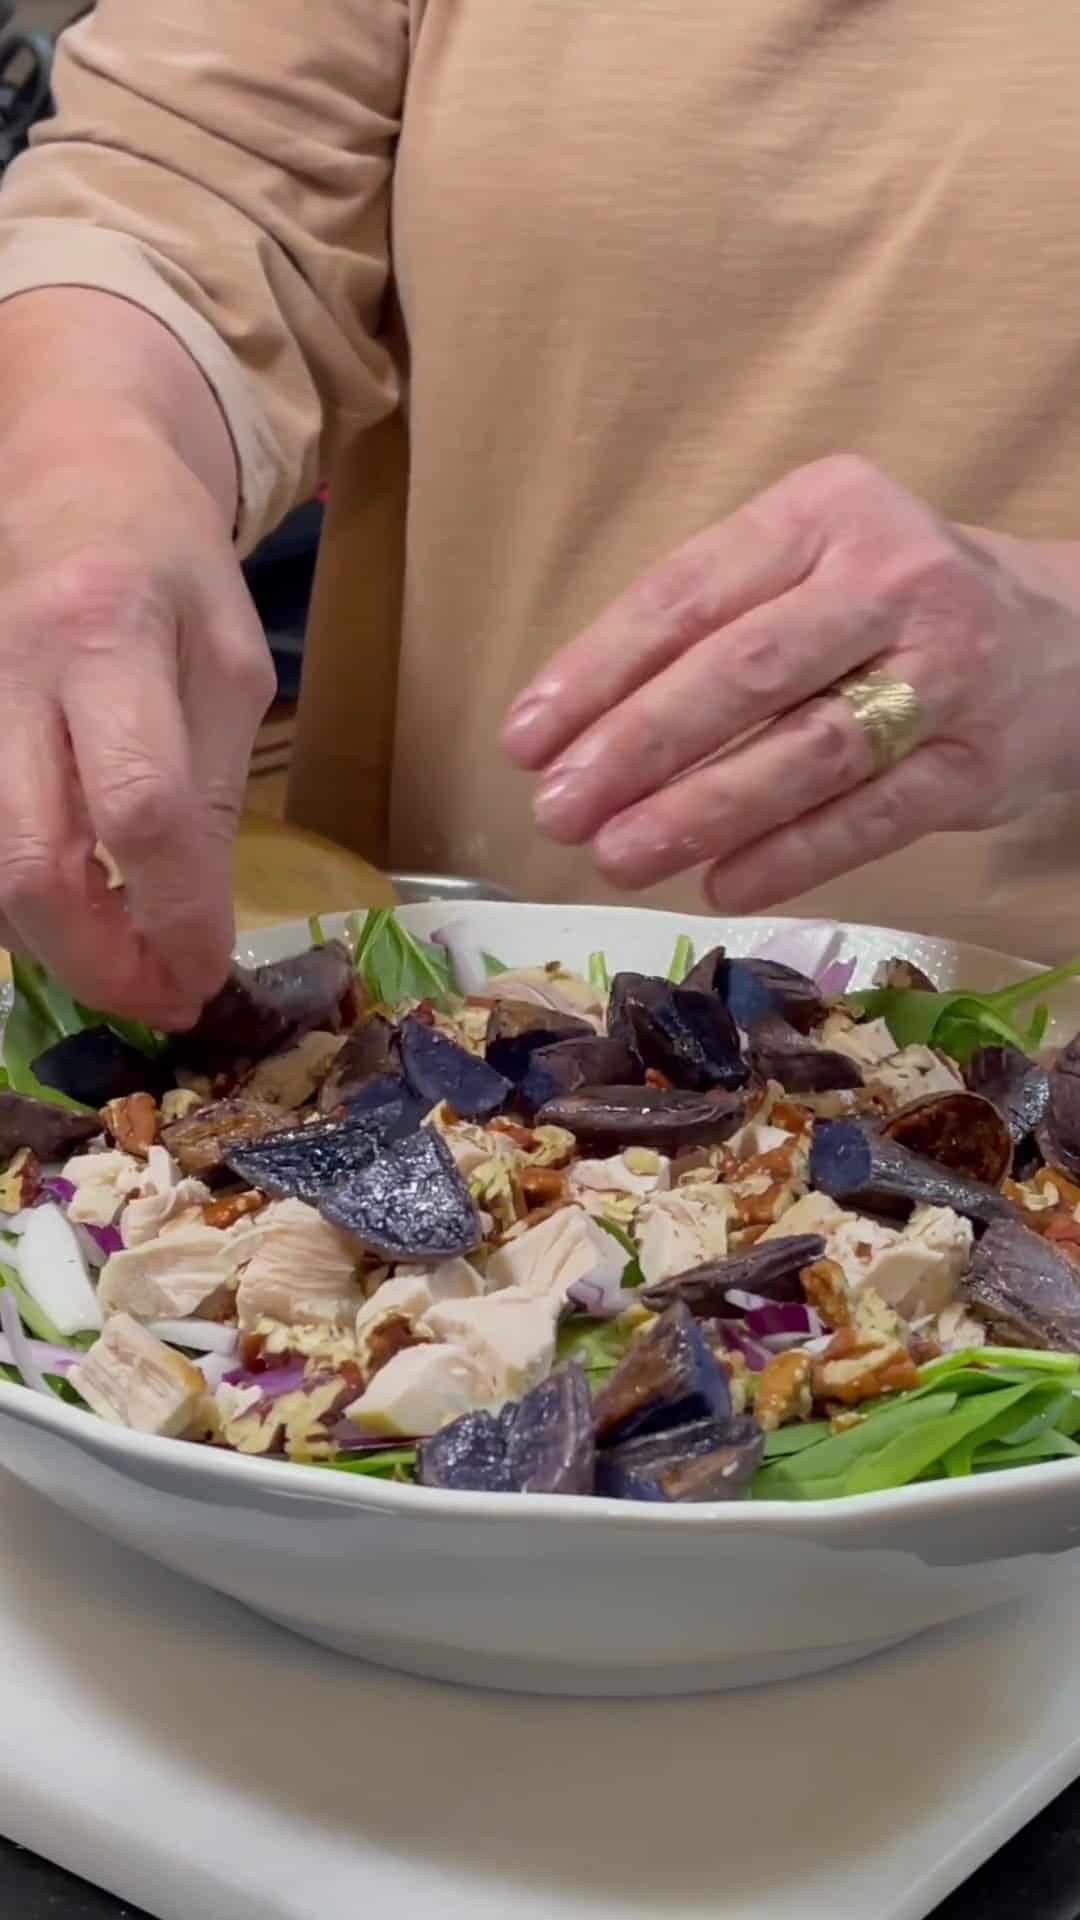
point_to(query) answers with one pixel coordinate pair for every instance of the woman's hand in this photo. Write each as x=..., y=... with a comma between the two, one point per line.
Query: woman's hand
x=640, y=727
x=133, y=676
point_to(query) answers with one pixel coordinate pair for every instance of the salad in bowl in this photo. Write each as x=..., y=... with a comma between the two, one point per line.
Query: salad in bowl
x=745, y=1227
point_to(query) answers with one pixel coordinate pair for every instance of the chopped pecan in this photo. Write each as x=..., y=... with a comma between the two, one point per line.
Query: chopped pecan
x=179, y=1103
x=383, y=1340
x=826, y=1290
x=232, y=1207
x=520, y=1136
x=853, y=1369
x=654, y=1078
x=783, y=1389
x=539, y=1186
x=133, y=1122
x=20, y=1182
x=1064, y=1230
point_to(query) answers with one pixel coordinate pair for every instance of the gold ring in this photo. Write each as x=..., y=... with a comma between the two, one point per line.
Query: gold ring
x=888, y=711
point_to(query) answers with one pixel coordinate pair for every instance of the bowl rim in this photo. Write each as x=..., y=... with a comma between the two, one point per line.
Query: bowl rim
x=360, y=1493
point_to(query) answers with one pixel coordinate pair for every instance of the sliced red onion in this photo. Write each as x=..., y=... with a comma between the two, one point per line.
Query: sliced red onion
x=58, y=1189
x=466, y=958
x=784, y=1320
x=199, y=1336
x=600, y=1294
x=734, y=1337
x=107, y=1240
x=810, y=948
x=23, y=1358
x=272, y=1384
x=348, y=1439
x=834, y=980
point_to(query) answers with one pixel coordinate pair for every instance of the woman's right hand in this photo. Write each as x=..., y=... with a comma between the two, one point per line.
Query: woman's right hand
x=133, y=678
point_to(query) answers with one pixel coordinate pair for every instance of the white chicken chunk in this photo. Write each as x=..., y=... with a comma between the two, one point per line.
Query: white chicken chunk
x=756, y=1138
x=297, y=1268
x=865, y=1041
x=552, y=987
x=162, y=1196
x=407, y=1297
x=510, y=1336
x=639, y=1172
x=547, y=1260
x=188, y=1270
x=914, y=1269
x=419, y=1391
x=134, y=1380
x=102, y=1182
x=912, y=1073
x=682, y=1229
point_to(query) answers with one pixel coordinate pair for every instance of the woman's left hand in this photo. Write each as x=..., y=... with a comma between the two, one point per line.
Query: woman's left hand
x=640, y=726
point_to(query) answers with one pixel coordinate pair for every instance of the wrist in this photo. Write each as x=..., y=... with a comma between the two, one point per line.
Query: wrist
x=80, y=369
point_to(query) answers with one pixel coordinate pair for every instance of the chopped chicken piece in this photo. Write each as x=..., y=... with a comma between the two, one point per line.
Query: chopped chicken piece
x=161, y=1197
x=547, y=1259
x=867, y=1042
x=683, y=1229
x=289, y=1079
x=510, y=1336
x=638, y=1171
x=912, y=1073
x=187, y=1270
x=419, y=1391
x=553, y=987
x=102, y=1183
x=136, y=1381
x=814, y=1213
x=915, y=1269
x=955, y=1329
x=298, y=1268
x=755, y=1138
x=401, y=1302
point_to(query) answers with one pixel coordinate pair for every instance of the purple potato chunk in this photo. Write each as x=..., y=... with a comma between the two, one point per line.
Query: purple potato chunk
x=50, y=1132
x=753, y=989
x=260, y=1010
x=516, y=1030
x=467, y=1456
x=566, y=1065
x=436, y=1069
x=409, y=1203
x=610, y=1118
x=550, y=1446
x=1025, y=1291
x=200, y=1142
x=306, y=1163
x=961, y=1131
x=542, y=1443
x=1018, y=1087
x=862, y=1170
x=369, y=1054
x=687, y=1036
x=778, y=1051
x=669, y=1377
x=704, y=1460
x=771, y=1268
x=1059, y=1133
x=96, y=1066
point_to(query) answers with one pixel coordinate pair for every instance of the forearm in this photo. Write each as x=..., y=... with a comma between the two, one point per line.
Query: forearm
x=76, y=363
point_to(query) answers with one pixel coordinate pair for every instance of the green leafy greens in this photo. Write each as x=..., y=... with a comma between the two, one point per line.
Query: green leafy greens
x=394, y=965
x=43, y=1012
x=973, y=1412
x=959, y=1023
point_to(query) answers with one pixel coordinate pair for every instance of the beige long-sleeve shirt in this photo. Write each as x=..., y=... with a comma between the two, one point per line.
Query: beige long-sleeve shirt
x=541, y=288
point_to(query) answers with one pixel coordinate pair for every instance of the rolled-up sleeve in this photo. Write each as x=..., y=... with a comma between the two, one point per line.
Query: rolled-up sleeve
x=225, y=165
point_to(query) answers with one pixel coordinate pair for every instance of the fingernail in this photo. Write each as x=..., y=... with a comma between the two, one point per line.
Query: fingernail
x=558, y=801
x=526, y=726
x=628, y=845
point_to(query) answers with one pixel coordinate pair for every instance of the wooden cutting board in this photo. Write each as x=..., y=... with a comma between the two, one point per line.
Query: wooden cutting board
x=284, y=873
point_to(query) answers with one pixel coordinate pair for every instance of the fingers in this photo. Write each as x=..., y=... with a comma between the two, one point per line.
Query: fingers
x=54, y=900
x=929, y=793
x=224, y=704
x=732, y=681
x=130, y=744
x=759, y=553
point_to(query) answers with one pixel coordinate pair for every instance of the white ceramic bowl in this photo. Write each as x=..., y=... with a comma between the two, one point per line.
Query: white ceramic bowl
x=566, y=1595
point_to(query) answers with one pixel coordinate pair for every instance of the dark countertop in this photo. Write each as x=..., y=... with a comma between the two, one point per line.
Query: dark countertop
x=1037, y=1875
